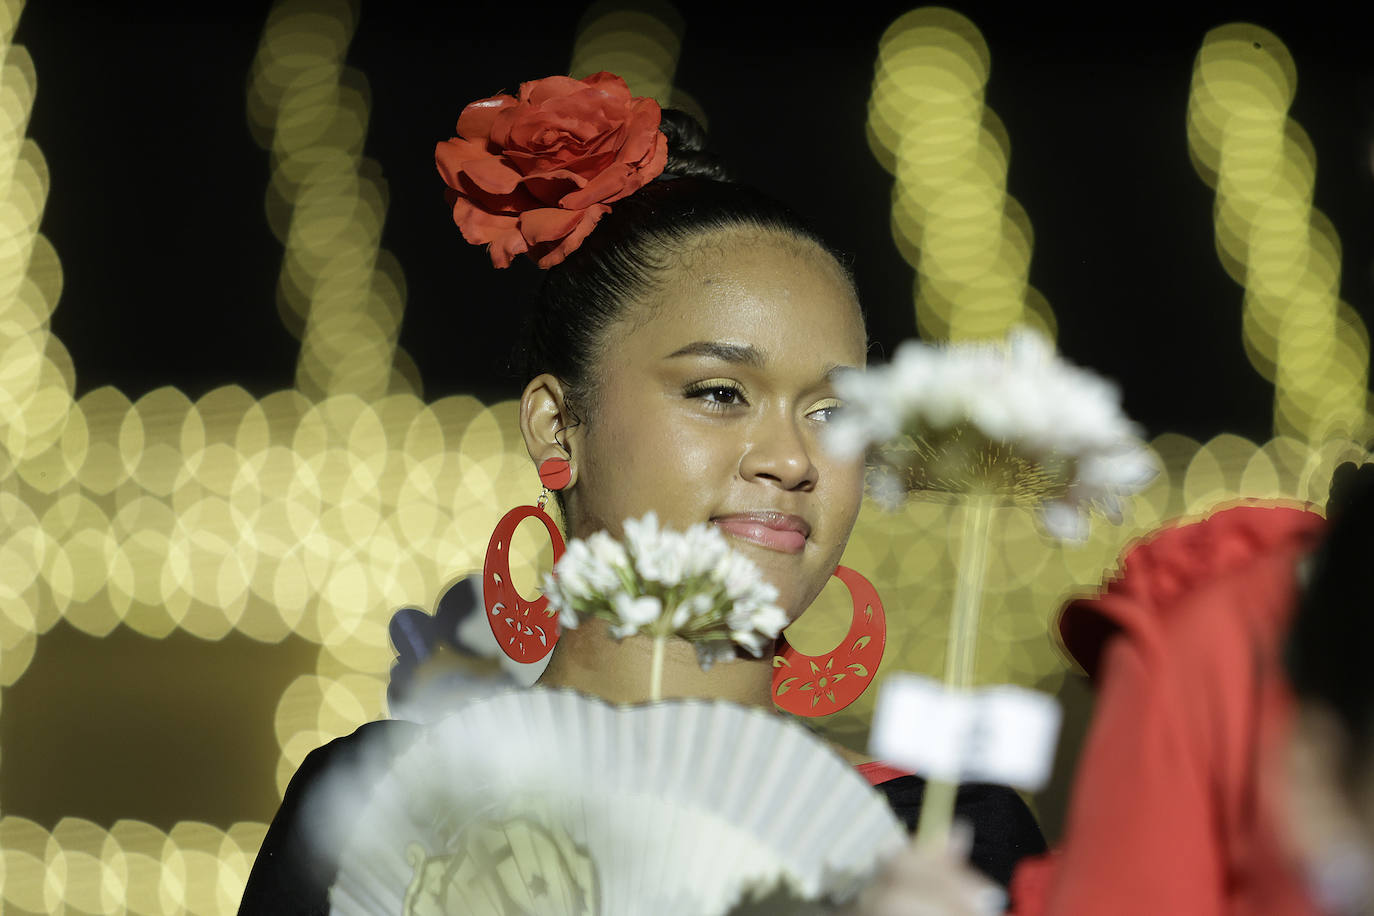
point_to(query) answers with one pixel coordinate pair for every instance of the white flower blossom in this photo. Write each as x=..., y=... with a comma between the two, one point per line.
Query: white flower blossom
x=752, y=641
x=886, y=487
x=703, y=549
x=714, y=650
x=634, y=612
x=567, y=617
x=672, y=564
x=1040, y=429
x=663, y=583
x=770, y=619
x=756, y=617
x=573, y=584
x=1064, y=521
x=642, y=535
x=567, y=590
x=607, y=550
x=693, y=606
x=736, y=573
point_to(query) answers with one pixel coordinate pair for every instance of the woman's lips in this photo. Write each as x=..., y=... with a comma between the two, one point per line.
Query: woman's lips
x=773, y=530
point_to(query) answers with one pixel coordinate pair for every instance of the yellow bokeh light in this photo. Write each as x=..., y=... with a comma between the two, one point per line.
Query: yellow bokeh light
x=325, y=203
x=1296, y=331
x=638, y=40
x=952, y=219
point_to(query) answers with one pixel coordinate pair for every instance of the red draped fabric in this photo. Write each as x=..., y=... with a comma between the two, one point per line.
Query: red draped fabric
x=877, y=772
x=1173, y=808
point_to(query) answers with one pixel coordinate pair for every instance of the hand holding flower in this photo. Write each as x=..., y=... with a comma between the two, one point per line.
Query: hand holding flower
x=921, y=881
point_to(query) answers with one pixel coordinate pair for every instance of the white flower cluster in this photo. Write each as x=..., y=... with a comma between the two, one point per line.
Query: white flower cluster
x=666, y=583
x=1063, y=420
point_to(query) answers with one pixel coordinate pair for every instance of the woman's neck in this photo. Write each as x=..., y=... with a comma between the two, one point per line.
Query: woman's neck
x=588, y=659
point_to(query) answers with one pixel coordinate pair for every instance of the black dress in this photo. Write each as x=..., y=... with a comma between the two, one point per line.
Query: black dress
x=295, y=867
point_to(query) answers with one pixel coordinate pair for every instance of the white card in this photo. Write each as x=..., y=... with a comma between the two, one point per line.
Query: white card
x=1002, y=734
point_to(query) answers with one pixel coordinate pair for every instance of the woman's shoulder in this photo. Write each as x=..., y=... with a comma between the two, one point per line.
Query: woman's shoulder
x=1004, y=829
x=1196, y=585
x=343, y=766
x=299, y=857
x=370, y=742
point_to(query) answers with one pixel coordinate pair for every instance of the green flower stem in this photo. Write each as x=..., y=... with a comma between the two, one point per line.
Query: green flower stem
x=656, y=672
x=937, y=809
x=631, y=583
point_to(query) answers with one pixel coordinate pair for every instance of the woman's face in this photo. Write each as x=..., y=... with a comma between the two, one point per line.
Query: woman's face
x=709, y=406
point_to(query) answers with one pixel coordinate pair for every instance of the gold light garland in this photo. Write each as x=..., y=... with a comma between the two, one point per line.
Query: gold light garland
x=1271, y=240
x=285, y=515
x=929, y=127
x=638, y=40
x=130, y=867
x=952, y=218
x=339, y=291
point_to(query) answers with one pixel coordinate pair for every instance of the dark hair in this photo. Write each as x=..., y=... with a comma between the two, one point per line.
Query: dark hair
x=620, y=261
x=1330, y=644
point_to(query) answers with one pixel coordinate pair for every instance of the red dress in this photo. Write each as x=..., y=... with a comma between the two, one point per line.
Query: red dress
x=1173, y=806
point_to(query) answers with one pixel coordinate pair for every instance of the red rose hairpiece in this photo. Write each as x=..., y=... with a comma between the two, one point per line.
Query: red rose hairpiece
x=533, y=175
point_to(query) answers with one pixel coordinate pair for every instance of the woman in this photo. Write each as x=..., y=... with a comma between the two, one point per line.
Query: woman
x=680, y=359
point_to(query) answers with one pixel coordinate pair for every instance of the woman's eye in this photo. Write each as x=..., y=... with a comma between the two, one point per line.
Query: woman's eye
x=723, y=395
x=717, y=394
x=826, y=411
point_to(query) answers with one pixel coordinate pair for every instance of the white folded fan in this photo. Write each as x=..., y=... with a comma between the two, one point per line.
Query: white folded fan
x=550, y=802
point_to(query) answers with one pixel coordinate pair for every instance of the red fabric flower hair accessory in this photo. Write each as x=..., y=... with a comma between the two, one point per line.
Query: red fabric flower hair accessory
x=533, y=175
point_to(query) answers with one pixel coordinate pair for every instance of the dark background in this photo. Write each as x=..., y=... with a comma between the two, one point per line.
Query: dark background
x=156, y=205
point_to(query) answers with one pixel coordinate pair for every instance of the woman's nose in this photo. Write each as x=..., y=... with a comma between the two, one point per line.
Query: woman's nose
x=779, y=454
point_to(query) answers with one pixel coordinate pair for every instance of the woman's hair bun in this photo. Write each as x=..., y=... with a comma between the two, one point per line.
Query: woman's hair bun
x=687, y=154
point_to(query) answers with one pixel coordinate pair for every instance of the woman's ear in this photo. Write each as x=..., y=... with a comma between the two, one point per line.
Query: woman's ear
x=547, y=424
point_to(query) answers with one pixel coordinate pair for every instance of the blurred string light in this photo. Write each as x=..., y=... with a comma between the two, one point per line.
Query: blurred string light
x=638, y=40
x=267, y=518
x=1271, y=240
x=36, y=375
x=339, y=291
x=970, y=244
x=313, y=516
x=952, y=218
x=131, y=867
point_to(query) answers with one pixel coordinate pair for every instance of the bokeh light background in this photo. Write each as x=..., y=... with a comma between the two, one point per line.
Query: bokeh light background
x=254, y=392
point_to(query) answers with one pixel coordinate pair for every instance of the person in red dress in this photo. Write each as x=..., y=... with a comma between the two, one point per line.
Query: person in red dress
x=1175, y=808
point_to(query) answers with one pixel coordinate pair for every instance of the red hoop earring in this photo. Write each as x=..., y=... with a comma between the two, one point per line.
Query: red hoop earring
x=817, y=685
x=525, y=630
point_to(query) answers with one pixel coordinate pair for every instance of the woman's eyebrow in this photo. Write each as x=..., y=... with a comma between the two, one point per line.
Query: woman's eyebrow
x=839, y=370
x=725, y=352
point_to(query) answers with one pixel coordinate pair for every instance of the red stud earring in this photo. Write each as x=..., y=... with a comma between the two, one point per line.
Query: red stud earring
x=525, y=630
x=817, y=685
x=555, y=473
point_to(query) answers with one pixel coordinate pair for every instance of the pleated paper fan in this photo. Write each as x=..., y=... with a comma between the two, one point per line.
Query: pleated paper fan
x=551, y=802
